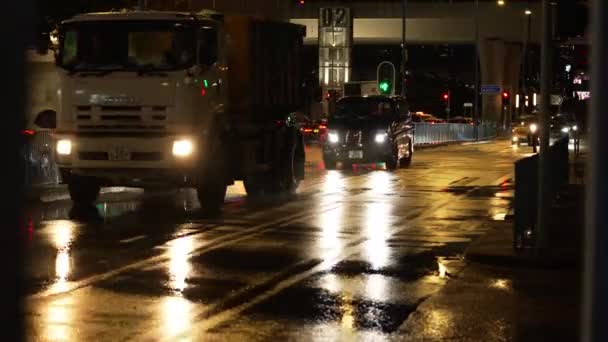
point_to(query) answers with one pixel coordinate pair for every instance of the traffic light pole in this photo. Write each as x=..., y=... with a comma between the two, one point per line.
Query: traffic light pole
x=595, y=297
x=403, y=48
x=545, y=102
x=476, y=114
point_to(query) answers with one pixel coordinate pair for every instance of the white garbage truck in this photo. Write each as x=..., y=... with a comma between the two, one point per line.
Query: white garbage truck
x=167, y=99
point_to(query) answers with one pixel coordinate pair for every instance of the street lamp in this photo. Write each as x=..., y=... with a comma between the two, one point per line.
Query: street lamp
x=528, y=11
x=500, y=2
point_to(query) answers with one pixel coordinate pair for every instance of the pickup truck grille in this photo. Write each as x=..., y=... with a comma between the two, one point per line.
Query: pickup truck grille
x=353, y=137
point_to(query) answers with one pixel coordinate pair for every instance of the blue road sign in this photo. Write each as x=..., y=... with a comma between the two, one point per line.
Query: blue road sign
x=490, y=89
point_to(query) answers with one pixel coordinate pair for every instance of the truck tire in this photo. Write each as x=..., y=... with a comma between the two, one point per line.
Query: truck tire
x=286, y=180
x=211, y=196
x=254, y=186
x=83, y=190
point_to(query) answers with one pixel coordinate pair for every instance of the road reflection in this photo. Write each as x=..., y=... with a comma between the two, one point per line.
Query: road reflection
x=331, y=222
x=59, y=317
x=377, y=222
x=176, y=316
x=62, y=235
x=179, y=263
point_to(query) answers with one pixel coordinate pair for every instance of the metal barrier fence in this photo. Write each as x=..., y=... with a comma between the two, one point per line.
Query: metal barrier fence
x=40, y=166
x=526, y=190
x=426, y=133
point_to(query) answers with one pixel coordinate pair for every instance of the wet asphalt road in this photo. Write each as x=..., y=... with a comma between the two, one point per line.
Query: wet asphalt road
x=352, y=255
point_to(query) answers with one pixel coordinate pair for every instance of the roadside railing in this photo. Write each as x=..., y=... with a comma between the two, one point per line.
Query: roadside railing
x=40, y=166
x=526, y=190
x=439, y=133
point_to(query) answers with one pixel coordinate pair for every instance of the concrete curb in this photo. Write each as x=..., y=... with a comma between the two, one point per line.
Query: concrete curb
x=495, y=248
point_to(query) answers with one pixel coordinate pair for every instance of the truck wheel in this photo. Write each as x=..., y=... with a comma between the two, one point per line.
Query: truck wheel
x=211, y=196
x=83, y=190
x=286, y=180
x=254, y=186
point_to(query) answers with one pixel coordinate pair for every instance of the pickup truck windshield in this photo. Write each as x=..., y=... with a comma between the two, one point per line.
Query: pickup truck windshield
x=117, y=45
x=364, y=108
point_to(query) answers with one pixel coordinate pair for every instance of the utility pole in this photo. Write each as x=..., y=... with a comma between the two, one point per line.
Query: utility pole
x=141, y=4
x=544, y=167
x=595, y=297
x=403, y=47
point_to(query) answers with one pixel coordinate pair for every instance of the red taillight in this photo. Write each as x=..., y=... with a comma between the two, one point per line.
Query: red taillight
x=322, y=127
x=28, y=132
x=307, y=130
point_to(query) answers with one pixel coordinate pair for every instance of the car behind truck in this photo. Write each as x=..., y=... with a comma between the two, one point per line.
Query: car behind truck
x=167, y=99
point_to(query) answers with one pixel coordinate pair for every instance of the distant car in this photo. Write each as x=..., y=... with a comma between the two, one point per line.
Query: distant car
x=369, y=130
x=563, y=125
x=524, y=129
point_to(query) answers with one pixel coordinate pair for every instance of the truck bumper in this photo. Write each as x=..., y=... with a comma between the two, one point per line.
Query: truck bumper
x=130, y=161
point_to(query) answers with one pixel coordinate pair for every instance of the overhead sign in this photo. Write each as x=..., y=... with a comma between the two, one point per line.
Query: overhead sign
x=468, y=105
x=490, y=89
x=335, y=17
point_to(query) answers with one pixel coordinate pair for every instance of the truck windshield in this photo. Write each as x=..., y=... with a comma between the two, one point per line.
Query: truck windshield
x=112, y=45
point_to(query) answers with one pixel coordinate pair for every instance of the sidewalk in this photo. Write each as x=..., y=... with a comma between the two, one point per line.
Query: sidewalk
x=508, y=295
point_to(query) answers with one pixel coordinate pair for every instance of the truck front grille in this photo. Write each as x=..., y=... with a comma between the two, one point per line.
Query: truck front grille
x=96, y=155
x=121, y=118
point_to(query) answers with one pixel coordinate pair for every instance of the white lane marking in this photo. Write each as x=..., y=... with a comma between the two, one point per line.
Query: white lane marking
x=207, y=246
x=133, y=239
x=353, y=248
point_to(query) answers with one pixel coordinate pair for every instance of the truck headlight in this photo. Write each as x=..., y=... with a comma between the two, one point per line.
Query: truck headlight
x=566, y=129
x=182, y=148
x=380, y=138
x=332, y=137
x=533, y=128
x=64, y=147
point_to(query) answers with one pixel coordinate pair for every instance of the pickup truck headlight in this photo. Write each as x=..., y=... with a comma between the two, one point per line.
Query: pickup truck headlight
x=533, y=128
x=64, y=147
x=380, y=138
x=182, y=148
x=333, y=138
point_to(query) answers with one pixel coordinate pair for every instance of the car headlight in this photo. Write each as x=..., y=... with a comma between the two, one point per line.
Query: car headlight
x=64, y=147
x=575, y=128
x=182, y=148
x=533, y=128
x=566, y=129
x=380, y=138
x=333, y=138
x=515, y=139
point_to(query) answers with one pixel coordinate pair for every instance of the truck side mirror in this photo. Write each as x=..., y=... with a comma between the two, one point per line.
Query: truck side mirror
x=46, y=119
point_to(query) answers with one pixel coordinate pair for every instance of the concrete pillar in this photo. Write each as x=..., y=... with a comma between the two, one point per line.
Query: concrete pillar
x=513, y=52
x=491, y=60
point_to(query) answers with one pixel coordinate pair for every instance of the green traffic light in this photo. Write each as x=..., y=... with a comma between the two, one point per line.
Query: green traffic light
x=384, y=86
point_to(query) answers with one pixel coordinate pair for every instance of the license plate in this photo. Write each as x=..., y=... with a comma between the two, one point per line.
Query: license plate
x=355, y=154
x=316, y=131
x=119, y=154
